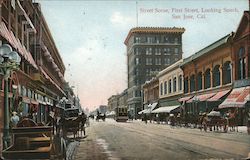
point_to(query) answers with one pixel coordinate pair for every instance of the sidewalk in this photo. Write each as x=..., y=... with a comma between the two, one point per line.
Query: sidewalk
x=241, y=129
x=89, y=148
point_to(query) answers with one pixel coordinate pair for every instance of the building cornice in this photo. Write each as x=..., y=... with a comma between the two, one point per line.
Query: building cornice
x=153, y=30
x=174, y=66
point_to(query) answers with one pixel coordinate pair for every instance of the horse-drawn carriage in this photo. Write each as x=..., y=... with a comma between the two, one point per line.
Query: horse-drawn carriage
x=214, y=121
x=31, y=141
x=73, y=122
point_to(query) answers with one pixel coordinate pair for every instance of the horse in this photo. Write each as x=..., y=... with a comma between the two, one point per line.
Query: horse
x=232, y=120
x=82, y=119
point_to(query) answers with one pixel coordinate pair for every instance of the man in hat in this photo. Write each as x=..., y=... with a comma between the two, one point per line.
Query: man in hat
x=14, y=119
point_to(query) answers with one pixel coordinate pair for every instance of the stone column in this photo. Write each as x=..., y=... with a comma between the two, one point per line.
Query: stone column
x=211, y=78
x=221, y=74
x=247, y=61
x=203, y=80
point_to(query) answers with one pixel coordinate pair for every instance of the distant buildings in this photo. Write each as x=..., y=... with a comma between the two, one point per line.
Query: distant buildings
x=102, y=109
x=119, y=100
x=149, y=50
x=113, y=102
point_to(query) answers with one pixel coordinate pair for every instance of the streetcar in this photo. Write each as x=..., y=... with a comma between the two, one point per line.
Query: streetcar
x=121, y=114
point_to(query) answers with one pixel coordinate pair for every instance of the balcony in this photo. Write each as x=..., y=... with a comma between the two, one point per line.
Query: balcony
x=37, y=77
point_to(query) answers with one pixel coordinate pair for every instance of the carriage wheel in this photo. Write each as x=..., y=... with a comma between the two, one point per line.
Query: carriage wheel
x=59, y=149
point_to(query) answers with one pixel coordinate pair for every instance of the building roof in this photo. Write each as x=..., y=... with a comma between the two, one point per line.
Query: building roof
x=151, y=81
x=153, y=30
x=170, y=68
x=207, y=49
x=244, y=19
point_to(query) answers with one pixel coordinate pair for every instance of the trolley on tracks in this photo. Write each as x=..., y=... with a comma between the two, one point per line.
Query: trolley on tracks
x=121, y=114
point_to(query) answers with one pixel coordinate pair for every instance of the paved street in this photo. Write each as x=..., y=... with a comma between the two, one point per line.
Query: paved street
x=137, y=140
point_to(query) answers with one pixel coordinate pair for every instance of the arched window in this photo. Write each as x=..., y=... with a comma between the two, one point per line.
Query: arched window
x=180, y=82
x=186, y=85
x=165, y=87
x=192, y=83
x=207, y=79
x=227, y=72
x=216, y=76
x=174, y=88
x=241, y=63
x=199, y=81
x=169, y=86
x=161, y=89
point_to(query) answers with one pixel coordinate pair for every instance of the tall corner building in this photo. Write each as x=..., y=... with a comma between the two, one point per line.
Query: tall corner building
x=149, y=50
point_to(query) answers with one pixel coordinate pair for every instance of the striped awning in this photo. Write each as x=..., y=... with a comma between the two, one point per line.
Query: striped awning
x=218, y=96
x=201, y=98
x=184, y=99
x=237, y=98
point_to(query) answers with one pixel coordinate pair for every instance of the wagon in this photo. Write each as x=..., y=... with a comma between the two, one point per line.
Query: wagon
x=214, y=121
x=36, y=142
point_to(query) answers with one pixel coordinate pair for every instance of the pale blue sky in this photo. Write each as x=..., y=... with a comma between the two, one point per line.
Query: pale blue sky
x=90, y=36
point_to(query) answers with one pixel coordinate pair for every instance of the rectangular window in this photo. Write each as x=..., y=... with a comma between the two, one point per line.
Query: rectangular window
x=180, y=82
x=157, y=61
x=136, y=51
x=149, y=61
x=167, y=61
x=137, y=61
x=157, y=51
x=174, y=85
x=176, y=40
x=166, y=40
x=165, y=51
x=137, y=39
x=148, y=51
x=157, y=40
x=136, y=71
x=186, y=85
x=165, y=87
x=161, y=89
x=169, y=86
x=147, y=72
x=176, y=50
x=149, y=40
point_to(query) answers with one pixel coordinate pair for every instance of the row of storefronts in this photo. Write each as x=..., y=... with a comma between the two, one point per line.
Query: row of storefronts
x=37, y=86
x=215, y=78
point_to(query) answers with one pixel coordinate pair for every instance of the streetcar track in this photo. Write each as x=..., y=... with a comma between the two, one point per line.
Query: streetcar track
x=207, y=134
x=175, y=140
x=169, y=146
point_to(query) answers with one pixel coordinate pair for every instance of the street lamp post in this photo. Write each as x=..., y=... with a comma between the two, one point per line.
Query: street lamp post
x=9, y=61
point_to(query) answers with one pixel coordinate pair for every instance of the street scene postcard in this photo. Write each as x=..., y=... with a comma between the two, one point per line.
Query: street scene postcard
x=124, y=79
